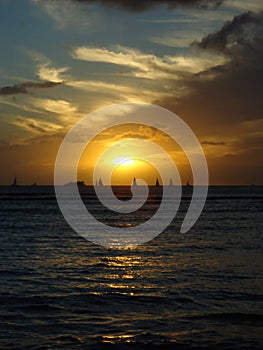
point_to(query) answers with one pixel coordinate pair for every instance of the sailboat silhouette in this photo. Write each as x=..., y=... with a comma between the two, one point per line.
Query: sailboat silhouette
x=157, y=184
x=100, y=182
x=134, y=182
x=14, y=182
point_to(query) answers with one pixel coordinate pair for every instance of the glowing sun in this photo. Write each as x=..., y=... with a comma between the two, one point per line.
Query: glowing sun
x=123, y=161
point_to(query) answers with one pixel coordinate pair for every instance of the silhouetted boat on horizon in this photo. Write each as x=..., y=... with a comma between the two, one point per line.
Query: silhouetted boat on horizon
x=157, y=184
x=14, y=182
x=134, y=182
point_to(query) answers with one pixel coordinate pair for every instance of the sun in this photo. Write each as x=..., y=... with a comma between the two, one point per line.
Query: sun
x=123, y=161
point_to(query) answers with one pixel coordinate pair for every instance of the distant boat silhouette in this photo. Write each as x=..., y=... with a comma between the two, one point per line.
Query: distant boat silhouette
x=100, y=182
x=134, y=182
x=157, y=184
x=14, y=182
x=171, y=182
x=188, y=184
x=34, y=184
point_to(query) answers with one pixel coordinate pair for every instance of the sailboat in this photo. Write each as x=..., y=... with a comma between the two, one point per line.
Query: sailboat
x=157, y=184
x=14, y=182
x=171, y=182
x=100, y=182
x=134, y=182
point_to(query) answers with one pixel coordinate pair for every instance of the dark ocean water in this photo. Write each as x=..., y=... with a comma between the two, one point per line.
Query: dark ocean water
x=199, y=290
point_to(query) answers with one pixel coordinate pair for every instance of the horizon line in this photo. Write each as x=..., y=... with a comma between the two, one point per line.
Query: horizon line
x=130, y=185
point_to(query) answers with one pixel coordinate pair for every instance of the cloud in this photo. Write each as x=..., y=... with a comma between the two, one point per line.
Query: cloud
x=23, y=87
x=173, y=40
x=146, y=65
x=244, y=5
x=36, y=126
x=50, y=118
x=45, y=72
x=14, y=104
x=118, y=91
x=61, y=107
x=139, y=5
x=240, y=38
x=44, y=69
x=226, y=100
x=231, y=92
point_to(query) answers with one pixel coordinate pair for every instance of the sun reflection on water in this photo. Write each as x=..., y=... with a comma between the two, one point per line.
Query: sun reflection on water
x=123, y=338
x=123, y=261
x=127, y=271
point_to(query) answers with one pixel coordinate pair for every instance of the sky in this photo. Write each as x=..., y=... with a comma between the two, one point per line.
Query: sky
x=61, y=60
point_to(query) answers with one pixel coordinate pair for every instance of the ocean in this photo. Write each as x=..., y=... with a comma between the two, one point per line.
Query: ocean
x=199, y=290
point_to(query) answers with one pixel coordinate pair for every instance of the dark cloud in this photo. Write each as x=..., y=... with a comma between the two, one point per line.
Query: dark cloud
x=227, y=101
x=217, y=106
x=231, y=93
x=23, y=87
x=144, y=5
x=241, y=38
